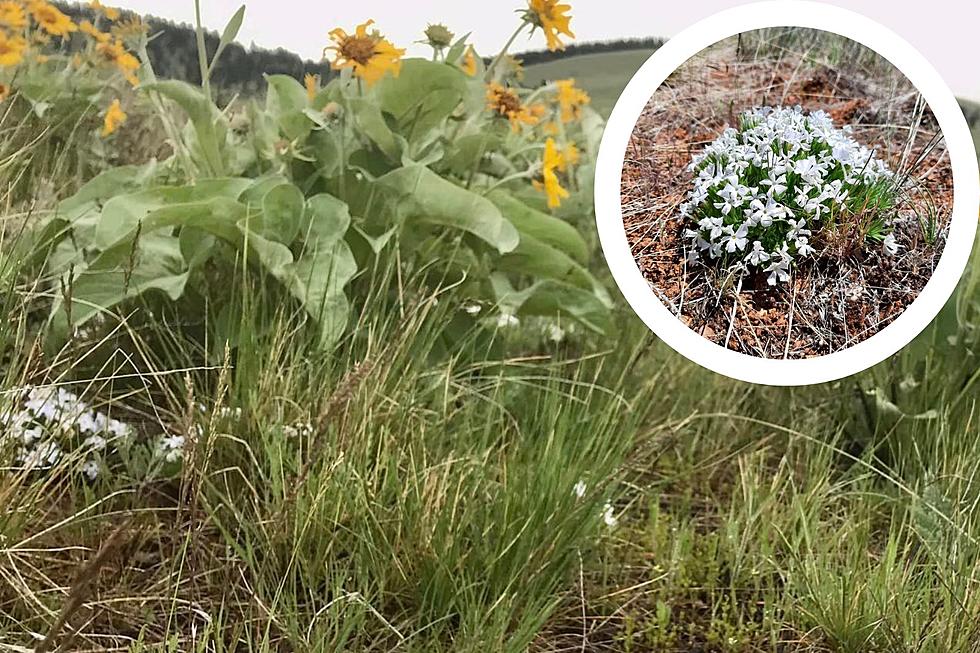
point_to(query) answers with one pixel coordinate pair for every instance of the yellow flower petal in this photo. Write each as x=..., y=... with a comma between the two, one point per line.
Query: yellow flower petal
x=114, y=116
x=369, y=55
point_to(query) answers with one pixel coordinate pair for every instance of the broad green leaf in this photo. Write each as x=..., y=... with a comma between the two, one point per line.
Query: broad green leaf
x=210, y=125
x=252, y=196
x=371, y=122
x=540, y=260
x=541, y=226
x=282, y=214
x=423, y=95
x=325, y=266
x=555, y=298
x=287, y=103
x=121, y=215
x=106, y=185
x=466, y=153
x=285, y=94
x=122, y=273
x=427, y=196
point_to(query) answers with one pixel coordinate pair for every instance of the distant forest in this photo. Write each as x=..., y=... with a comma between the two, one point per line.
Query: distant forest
x=173, y=53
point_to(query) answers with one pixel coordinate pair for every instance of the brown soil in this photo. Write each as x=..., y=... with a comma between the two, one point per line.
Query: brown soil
x=849, y=292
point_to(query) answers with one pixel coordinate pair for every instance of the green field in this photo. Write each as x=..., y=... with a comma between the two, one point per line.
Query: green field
x=603, y=75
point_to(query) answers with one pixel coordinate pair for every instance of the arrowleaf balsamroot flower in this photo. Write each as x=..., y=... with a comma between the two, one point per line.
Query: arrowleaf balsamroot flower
x=109, y=12
x=762, y=189
x=571, y=100
x=12, y=15
x=552, y=164
x=51, y=19
x=12, y=49
x=114, y=116
x=553, y=19
x=312, y=84
x=115, y=54
x=469, y=65
x=97, y=35
x=505, y=102
x=368, y=54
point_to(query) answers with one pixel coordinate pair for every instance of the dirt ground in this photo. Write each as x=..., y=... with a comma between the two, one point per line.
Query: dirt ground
x=851, y=290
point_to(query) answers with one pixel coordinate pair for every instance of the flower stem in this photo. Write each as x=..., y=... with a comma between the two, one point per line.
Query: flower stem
x=503, y=53
x=202, y=54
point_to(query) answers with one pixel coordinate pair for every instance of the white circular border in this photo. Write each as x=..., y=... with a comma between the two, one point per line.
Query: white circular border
x=612, y=232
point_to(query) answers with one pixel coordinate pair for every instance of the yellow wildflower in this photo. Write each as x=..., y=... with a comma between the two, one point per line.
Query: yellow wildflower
x=571, y=100
x=11, y=49
x=109, y=12
x=551, y=128
x=114, y=116
x=312, y=83
x=131, y=27
x=51, y=19
x=469, y=62
x=370, y=55
x=86, y=27
x=114, y=53
x=552, y=18
x=550, y=184
x=4, y=92
x=12, y=15
x=506, y=103
x=569, y=157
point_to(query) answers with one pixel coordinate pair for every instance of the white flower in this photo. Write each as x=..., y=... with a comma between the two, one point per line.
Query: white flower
x=43, y=455
x=555, y=333
x=91, y=469
x=580, y=489
x=472, y=309
x=609, y=516
x=798, y=229
x=758, y=255
x=736, y=239
x=171, y=448
x=803, y=247
x=506, y=320
x=890, y=245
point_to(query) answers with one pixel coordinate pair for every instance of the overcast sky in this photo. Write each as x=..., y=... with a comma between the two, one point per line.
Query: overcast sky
x=946, y=34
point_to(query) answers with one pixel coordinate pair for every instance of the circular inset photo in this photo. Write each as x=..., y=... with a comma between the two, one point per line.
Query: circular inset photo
x=787, y=194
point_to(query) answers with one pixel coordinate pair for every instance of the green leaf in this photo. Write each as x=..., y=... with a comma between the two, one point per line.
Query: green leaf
x=229, y=34
x=425, y=195
x=545, y=228
x=371, y=122
x=210, y=125
x=458, y=49
x=286, y=100
x=325, y=267
x=106, y=185
x=423, y=95
x=121, y=215
x=122, y=273
x=282, y=214
x=548, y=298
